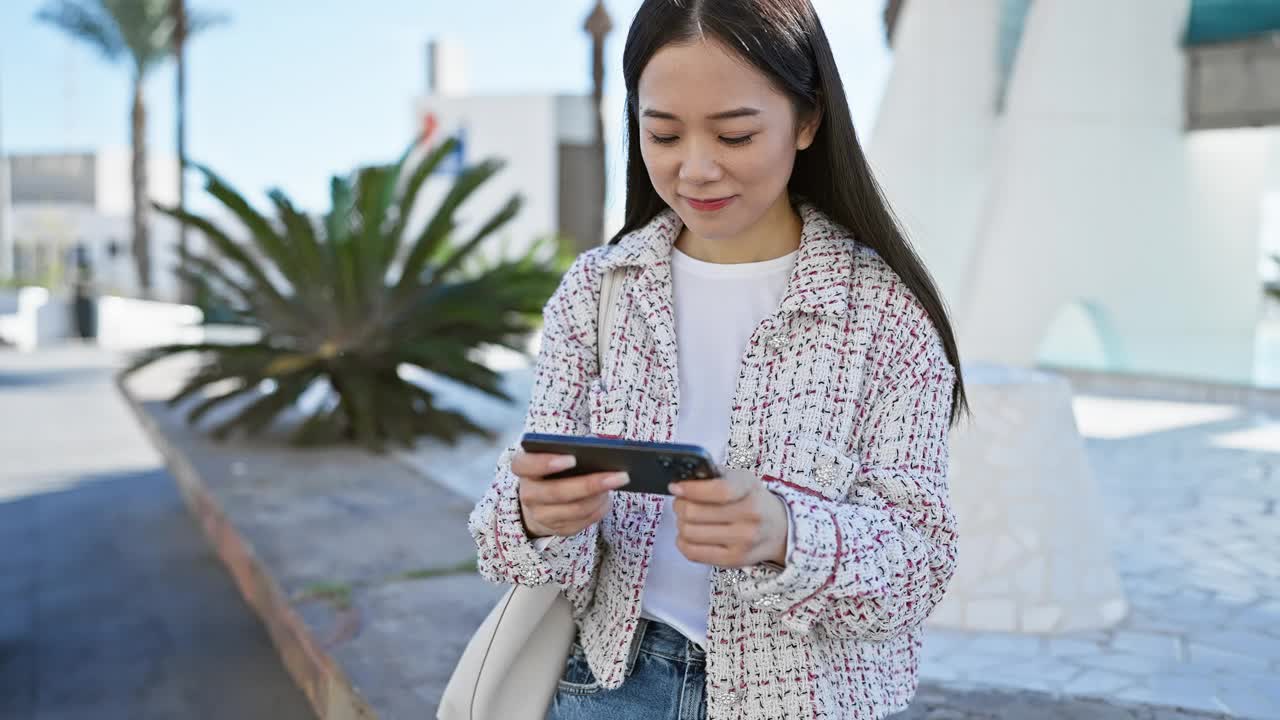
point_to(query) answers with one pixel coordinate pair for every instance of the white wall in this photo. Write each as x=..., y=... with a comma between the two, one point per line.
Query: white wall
x=518, y=129
x=62, y=226
x=114, y=183
x=932, y=145
x=6, y=221
x=1267, y=345
x=35, y=320
x=575, y=123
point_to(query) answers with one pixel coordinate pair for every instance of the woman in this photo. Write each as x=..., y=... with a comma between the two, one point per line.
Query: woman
x=772, y=312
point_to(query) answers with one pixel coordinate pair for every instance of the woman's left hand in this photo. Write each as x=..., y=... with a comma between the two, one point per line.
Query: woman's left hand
x=730, y=521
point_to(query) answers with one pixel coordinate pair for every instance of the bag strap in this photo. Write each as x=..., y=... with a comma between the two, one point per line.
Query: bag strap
x=609, y=289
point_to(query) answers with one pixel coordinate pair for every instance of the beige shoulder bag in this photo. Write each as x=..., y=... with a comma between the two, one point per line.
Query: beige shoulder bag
x=512, y=665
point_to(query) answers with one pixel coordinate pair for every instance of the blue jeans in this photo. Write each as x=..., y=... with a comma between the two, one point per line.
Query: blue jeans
x=666, y=680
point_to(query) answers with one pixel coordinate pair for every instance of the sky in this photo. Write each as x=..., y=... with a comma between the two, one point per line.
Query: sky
x=290, y=92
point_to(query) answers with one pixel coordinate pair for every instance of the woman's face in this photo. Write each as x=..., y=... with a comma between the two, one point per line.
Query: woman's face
x=718, y=139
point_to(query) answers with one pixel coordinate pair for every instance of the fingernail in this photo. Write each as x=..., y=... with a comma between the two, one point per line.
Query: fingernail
x=564, y=462
x=616, y=481
x=675, y=489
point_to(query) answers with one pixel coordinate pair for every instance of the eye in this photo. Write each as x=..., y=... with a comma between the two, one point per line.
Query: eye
x=736, y=141
x=663, y=139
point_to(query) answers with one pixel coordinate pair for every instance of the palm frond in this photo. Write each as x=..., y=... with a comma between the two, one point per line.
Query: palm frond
x=199, y=22
x=264, y=235
x=258, y=414
x=442, y=224
x=409, y=196
x=455, y=258
x=213, y=401
x=88, y=23
x=141, y=30
x=286, y=313
x=314, y=272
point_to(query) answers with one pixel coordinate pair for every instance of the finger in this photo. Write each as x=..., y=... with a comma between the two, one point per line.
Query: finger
x=731, y=487
x=718, y=535
x=539, y=464
x=536, y=491
x=705, y=554
x=705, y=513
x=584, y=511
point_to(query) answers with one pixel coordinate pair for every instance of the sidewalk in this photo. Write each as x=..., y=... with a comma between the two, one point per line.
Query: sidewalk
x=112, y=607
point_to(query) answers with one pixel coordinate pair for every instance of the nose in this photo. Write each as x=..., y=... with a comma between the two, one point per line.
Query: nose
x=700, y=165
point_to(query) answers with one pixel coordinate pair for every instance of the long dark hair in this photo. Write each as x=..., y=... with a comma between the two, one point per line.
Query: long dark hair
x=785, y=40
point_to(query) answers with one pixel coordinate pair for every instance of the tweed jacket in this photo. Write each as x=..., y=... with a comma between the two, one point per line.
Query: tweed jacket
x=842, y=406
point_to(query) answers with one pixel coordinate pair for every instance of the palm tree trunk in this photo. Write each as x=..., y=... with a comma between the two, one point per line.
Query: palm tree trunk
x=597, y=109
x=141, y=233
x=598, y=26
x=185, y=291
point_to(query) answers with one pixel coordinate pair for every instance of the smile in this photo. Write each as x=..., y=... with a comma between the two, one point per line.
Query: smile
x=710, y=204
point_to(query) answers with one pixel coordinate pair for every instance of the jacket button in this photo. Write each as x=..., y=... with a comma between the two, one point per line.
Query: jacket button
x=826, y=474
x=779, y=341
x=768, y=601
x=729, y=698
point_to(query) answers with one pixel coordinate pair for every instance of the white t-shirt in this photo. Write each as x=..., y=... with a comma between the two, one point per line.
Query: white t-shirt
x=717, y=308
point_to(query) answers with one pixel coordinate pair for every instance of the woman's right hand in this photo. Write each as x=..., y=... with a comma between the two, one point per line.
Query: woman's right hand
x=564, y=506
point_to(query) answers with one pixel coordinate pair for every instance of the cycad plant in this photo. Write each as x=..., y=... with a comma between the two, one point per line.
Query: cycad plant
x=345, y=302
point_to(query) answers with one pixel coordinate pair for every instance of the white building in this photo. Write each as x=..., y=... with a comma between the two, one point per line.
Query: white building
x=60, y=201
x=546, y=141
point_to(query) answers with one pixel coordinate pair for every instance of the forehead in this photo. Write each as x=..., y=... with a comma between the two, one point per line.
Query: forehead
x=703, y=77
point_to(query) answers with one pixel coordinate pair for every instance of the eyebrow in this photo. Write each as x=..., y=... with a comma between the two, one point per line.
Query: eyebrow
x=724, y=115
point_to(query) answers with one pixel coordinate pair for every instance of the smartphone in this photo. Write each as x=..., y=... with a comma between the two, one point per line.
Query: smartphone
x=651, y=466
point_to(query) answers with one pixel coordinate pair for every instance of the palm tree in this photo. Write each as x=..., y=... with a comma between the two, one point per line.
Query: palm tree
x=141, y=33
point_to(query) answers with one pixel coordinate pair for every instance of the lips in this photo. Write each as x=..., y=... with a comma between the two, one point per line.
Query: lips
x=709, y=204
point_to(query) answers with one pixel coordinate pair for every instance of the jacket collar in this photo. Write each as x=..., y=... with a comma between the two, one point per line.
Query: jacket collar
x=819, y=283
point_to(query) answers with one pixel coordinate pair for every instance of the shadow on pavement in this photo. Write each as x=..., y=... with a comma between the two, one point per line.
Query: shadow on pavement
x=113, y=607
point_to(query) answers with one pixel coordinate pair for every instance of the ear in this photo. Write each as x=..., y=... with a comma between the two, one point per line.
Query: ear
x=808, y=129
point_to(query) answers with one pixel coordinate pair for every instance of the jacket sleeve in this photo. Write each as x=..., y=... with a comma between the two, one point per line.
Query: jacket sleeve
x=562, y=376
x=875, y=564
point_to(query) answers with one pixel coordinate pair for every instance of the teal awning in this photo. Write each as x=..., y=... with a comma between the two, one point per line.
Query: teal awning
x=1214, y=21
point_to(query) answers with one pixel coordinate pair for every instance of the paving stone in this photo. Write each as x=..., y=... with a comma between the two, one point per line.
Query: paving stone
x=935, y=703
x=1241, y=642
x=1094, y=682
x=1157, y=646
x=1216, y=659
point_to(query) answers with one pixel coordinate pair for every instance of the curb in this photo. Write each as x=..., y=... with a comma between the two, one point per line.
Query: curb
x=328, y=689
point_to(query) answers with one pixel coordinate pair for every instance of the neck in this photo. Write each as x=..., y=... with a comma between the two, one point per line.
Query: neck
x=774, y=235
